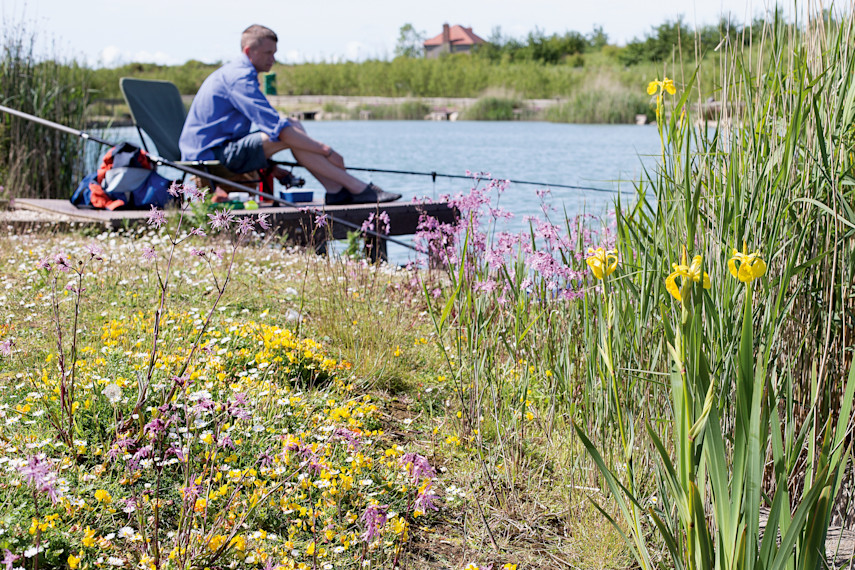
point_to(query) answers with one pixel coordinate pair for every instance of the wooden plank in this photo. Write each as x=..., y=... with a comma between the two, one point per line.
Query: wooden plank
x=66, y=208
x=296, y=222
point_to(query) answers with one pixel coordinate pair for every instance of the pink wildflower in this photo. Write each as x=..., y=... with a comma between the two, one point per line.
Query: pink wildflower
x=37, y=473
x=222, y=219
x=195, y=193
x=94, y=251
x=426, y=501
x=383, y=218
x=417, y=466
x=374, y=518
x=62, y=262
x=485, y=286
x=263, y=221
x=9, y=558
x=156, y=218
x=245, y=225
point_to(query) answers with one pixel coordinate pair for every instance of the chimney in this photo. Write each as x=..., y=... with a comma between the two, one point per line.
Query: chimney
x=446, y=35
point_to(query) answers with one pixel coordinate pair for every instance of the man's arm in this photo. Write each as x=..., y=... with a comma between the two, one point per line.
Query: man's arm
x=247, y=98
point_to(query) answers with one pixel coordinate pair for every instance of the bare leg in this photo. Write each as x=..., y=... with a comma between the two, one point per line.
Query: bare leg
x=331, y=176
x=329, y=171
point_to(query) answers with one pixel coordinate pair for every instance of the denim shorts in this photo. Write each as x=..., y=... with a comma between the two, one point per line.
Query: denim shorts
x=242, y=155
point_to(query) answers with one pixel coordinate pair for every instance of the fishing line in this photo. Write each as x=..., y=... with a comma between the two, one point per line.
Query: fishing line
x=434, y=175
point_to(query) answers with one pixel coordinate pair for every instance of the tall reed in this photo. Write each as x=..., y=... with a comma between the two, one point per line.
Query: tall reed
x=700, y=399
x=747, y=388
x=39, y=162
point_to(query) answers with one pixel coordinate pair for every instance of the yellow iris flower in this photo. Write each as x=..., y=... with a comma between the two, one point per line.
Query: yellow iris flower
x=750, y=266
x=688, y=275
x=666, y=85
x=602, y=262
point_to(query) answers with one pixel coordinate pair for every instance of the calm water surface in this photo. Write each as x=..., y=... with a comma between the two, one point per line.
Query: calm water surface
x=601, y=156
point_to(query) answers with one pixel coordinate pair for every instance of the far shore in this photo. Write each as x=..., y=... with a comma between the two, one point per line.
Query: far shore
x=114, y=112
x=105, y=113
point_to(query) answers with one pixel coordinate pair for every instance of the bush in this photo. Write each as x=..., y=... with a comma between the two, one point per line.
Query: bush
x=406, y=111
x=601, y=106
x=492, y=109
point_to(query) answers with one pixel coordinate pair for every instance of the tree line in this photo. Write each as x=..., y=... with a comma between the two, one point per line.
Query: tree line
x=535, y=66
x=658, y=44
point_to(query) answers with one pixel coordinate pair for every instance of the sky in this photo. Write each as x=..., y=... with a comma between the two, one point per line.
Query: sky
x=110, y=33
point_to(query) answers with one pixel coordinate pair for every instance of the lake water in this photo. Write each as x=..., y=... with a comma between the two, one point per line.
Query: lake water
x=601, y=156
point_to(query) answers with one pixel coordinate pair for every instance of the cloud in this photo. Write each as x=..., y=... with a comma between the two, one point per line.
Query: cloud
x=355, y=51
x=111, y=56
x=291, y=56
x=158, y=57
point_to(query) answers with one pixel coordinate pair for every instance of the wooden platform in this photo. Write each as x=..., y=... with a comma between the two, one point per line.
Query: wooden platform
x=297, y=223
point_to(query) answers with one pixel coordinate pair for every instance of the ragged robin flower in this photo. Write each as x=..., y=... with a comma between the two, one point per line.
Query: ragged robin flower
x=602, y=262
x=688, y=274
x=746, y=266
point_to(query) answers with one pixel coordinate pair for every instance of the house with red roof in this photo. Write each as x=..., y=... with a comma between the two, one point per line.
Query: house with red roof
x=453, y=39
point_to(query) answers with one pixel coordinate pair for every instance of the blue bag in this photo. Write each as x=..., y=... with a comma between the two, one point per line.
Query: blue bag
x=125, y=179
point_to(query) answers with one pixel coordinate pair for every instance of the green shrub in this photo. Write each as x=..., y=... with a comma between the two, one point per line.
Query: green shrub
x=492, y=109
x=601, y=106
x=406, y=111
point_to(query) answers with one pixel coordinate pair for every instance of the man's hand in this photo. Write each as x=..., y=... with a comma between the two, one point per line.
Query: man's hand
x=335, y=158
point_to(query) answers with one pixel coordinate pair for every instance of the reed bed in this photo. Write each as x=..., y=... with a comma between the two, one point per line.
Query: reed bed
x=39, y=162
x=705, y=362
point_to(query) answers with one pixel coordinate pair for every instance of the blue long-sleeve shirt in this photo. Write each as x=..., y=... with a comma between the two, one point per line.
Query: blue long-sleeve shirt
x=228, y=104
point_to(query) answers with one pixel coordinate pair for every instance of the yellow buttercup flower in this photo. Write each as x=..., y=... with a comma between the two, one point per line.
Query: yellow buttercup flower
x=750, y=266
x=103, y=496
x=73, y=561
x=688, y=275
x=400, y=526
x=602, y=262
x=88, y=538
x=239, y=543
x=217, y=542
x=666, y=85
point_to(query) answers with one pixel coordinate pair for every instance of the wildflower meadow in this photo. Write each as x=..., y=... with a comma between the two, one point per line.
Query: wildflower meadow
x=668, y=384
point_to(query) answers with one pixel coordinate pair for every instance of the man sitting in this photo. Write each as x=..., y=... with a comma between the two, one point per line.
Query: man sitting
x=230, y=101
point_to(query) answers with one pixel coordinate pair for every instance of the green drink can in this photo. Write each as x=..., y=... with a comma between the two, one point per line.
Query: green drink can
x=270, y=84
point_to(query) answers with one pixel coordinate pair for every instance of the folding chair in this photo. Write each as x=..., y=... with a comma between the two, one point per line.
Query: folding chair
x=157, y=109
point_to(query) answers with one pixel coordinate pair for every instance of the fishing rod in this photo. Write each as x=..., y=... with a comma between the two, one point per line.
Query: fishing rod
x=434, y=175
x=160, y=161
